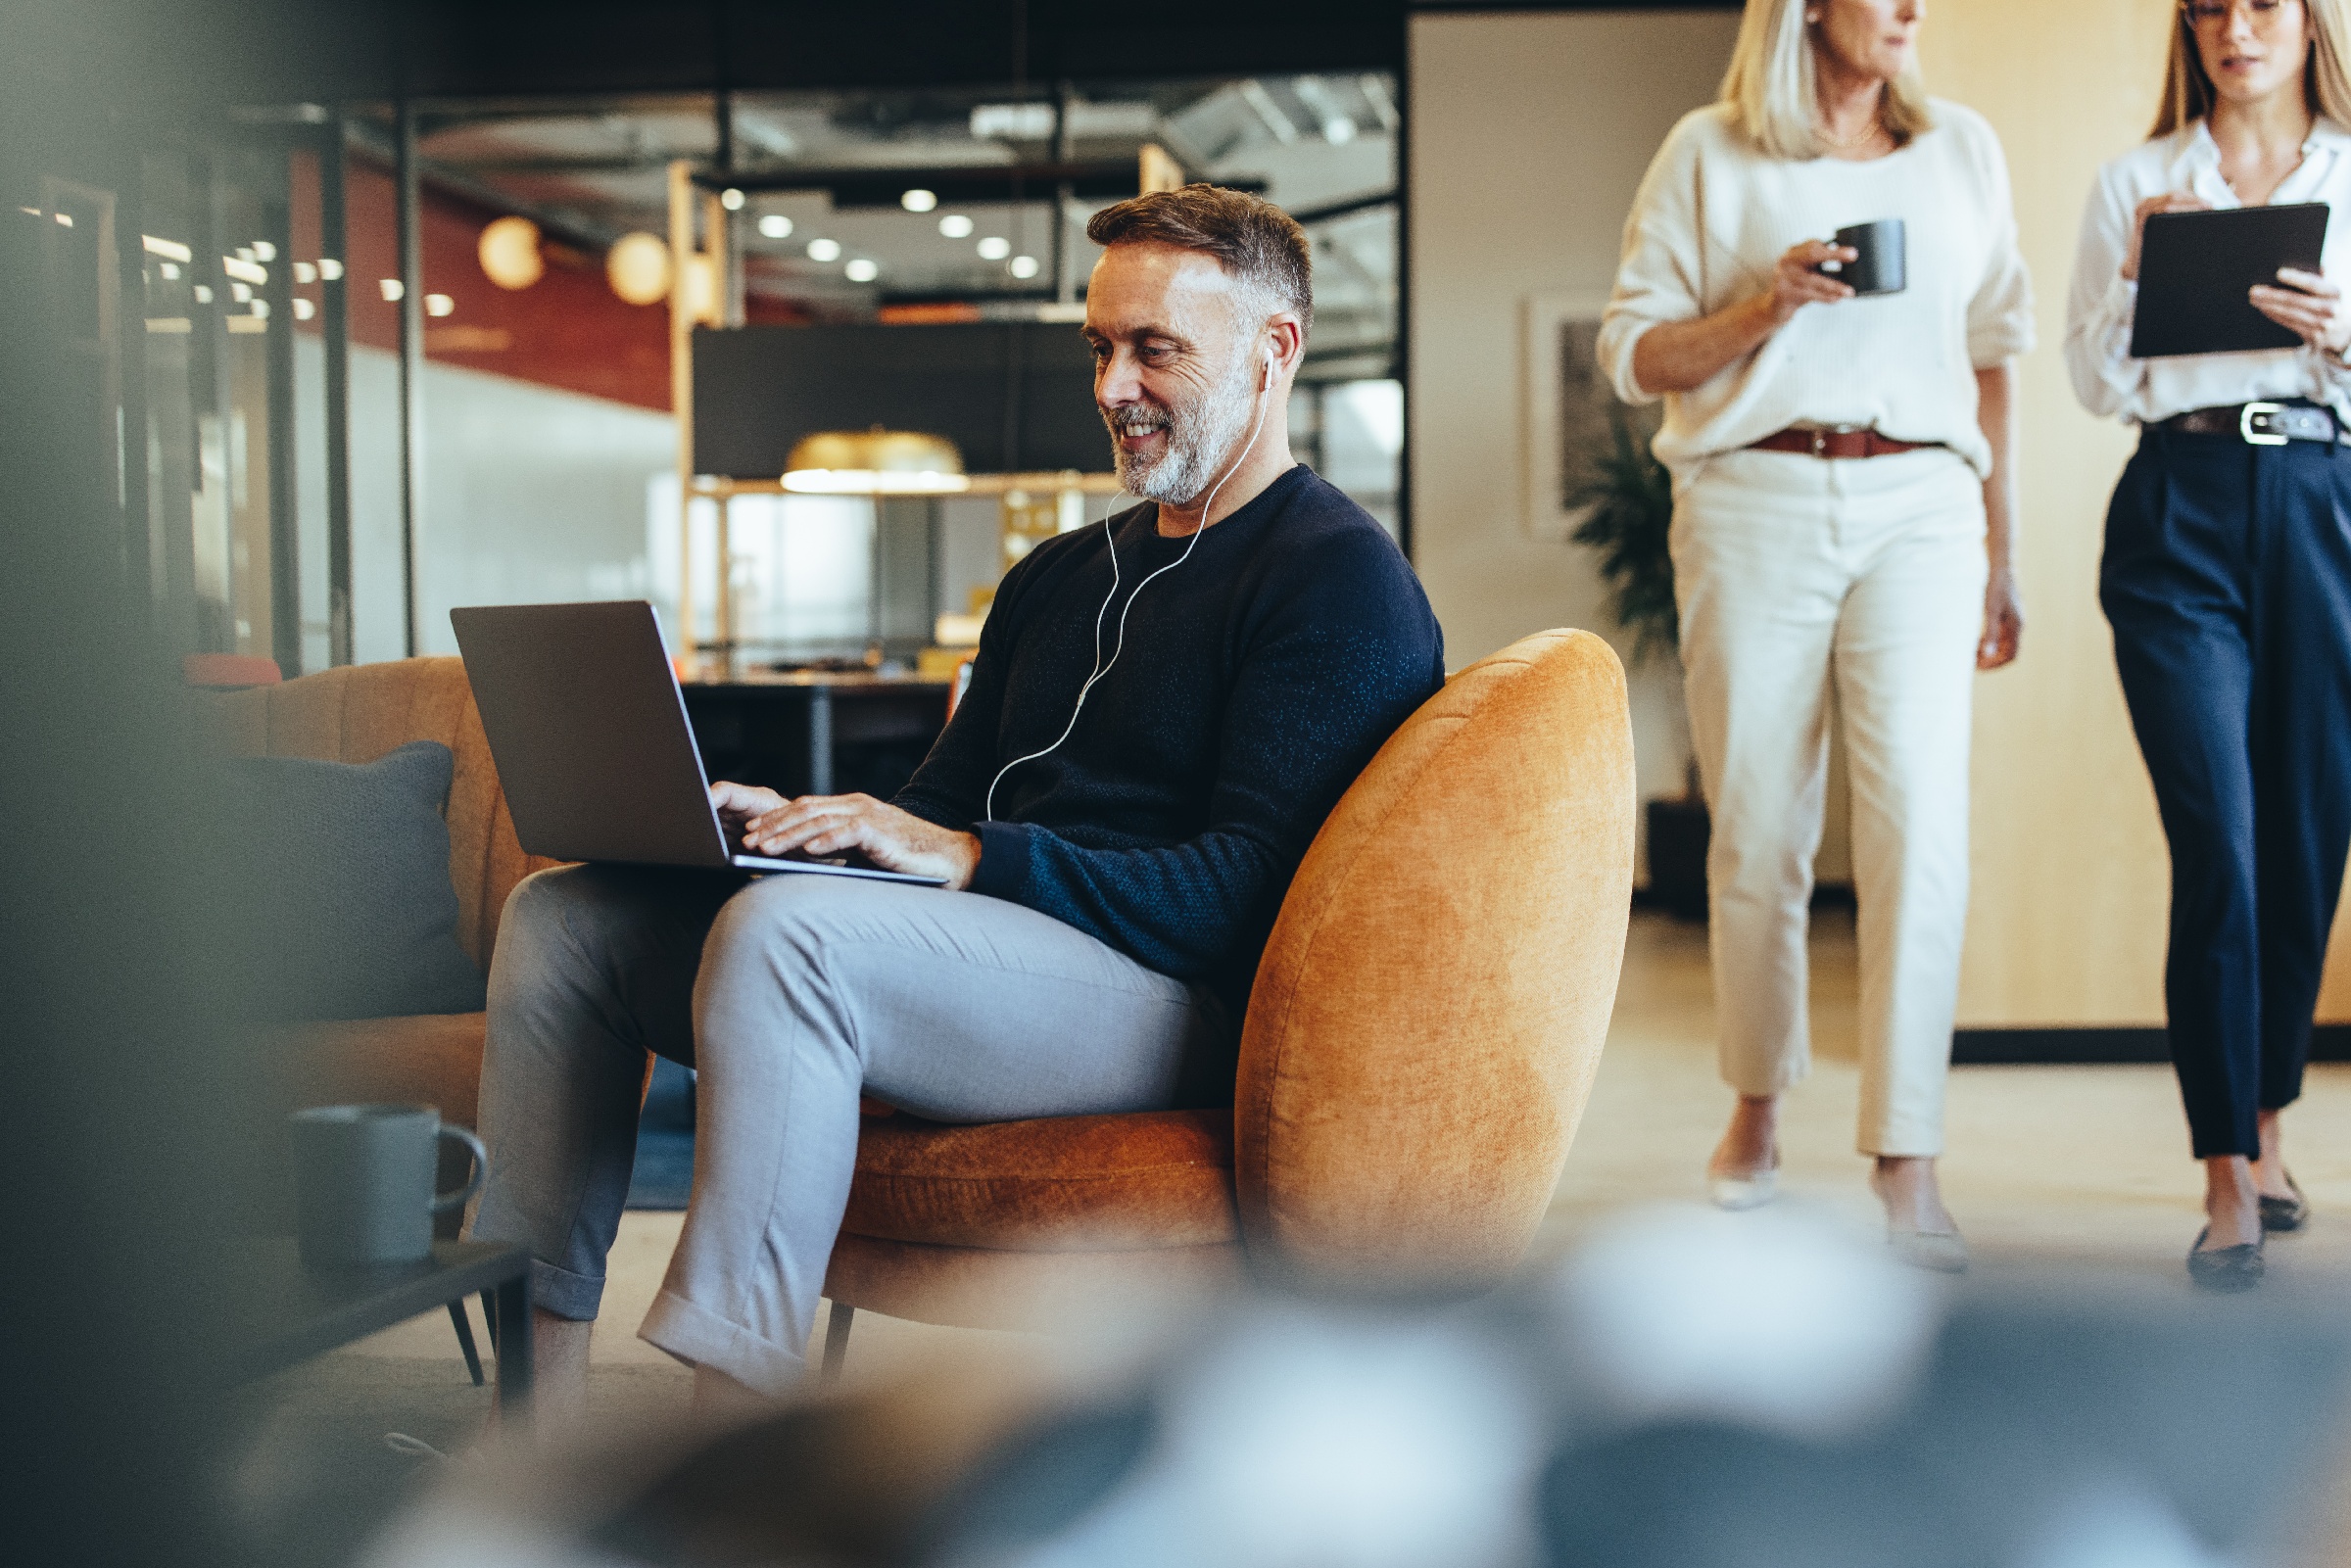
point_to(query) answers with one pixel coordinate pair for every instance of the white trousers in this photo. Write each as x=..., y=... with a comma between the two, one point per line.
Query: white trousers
x=1792, y=573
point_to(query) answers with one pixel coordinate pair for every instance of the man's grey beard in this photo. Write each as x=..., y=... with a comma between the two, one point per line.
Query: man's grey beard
x=1202, y=435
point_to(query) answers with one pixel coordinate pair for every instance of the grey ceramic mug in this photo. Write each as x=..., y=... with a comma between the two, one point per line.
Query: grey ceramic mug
x=1881, y=264
x=364, y=1177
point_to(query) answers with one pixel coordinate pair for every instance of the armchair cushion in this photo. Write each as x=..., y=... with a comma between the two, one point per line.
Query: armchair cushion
x=350, y=868
x=1158, y=1179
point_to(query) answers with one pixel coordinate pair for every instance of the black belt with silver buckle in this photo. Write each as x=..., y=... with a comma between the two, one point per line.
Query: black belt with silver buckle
x=2262, y=424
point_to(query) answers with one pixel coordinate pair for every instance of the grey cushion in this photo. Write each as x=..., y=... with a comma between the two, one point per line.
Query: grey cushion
x=348, y=870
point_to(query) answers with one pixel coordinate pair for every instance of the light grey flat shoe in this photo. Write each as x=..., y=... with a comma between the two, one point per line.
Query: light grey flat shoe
x=1750, y=1191
x=1940, y=1252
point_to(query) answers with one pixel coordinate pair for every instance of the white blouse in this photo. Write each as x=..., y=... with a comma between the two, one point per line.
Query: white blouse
x=1713, y=217
x=2097, y=314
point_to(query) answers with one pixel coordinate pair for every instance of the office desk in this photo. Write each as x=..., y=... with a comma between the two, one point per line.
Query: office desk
x=817, y=732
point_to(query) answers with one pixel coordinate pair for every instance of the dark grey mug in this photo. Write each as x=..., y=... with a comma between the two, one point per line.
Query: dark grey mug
x=1881, y=267
x=363, y=1178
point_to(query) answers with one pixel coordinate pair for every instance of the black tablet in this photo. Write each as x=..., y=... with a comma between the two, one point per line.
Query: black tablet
x=2194, y=269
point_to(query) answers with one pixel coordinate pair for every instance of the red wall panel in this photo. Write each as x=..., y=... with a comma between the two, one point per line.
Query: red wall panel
x=569, y=330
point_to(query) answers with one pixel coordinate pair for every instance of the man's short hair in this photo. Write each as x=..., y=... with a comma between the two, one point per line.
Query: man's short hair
x=1256, y=242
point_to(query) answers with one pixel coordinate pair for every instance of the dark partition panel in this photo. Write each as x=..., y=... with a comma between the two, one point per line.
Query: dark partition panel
x=1015, y=397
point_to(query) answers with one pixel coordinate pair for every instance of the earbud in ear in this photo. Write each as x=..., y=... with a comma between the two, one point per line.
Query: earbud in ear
x=1267, y=384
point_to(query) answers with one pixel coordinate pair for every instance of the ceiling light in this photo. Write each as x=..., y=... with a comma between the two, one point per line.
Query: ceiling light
x=995, y=248
x=638, y=268
x=862, y=271
x=919, y=201
x=204, y=294
x=236, y=266
x=874, y=463
x=329, y=268
x=776, y=226
x=440, y=305
x=304, y=310
x=731, y=198
x=240, y=292
x=1016, y=122
x=263, y=251
x=169, y=269
x=1024, y=267
x=955, y=226
x=1338, y=130
x=260, y=309
x=508, y=251
x=393, y=289
x=823, y=249
x=304, y=273
x=170, y=249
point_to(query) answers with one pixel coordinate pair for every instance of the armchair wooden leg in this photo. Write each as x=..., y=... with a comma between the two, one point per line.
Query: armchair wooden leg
x=464, y=1328
x=836, y=1344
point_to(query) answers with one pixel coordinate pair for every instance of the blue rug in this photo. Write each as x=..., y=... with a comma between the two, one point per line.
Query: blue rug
x=663, y=1177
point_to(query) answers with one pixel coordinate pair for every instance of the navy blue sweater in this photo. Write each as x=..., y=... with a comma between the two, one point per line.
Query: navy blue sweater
x=1258, y=678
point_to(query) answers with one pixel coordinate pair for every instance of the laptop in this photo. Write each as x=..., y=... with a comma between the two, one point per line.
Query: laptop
x=593, y=749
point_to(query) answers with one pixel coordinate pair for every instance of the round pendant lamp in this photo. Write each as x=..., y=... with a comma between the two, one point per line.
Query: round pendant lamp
x=874, y=463
x=509, y=250
x=638, y=268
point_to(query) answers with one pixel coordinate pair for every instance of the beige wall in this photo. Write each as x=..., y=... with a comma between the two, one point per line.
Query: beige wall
x=1529, y=134
x=2070, y=879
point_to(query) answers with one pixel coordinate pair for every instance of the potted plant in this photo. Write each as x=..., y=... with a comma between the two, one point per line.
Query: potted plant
x=1631, y=510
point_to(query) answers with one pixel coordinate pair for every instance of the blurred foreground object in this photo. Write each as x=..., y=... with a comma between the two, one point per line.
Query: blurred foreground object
x=1693, y=1390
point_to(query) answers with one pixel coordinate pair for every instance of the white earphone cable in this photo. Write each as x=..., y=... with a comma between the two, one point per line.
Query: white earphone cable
x=1263, y=405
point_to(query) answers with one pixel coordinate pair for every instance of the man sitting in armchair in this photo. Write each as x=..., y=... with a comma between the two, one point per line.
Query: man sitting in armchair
x=1162, y=712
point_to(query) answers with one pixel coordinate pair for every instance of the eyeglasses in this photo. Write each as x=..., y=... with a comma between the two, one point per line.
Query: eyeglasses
x=2214, y=13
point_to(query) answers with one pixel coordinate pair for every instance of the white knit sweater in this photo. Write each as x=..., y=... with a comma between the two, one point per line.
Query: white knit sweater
x=1713, y=217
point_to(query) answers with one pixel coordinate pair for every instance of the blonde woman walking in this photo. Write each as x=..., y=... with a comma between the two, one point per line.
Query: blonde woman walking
x=1842, y=521
x=2227, y=579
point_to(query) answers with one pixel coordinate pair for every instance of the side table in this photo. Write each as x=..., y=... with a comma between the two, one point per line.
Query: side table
x=291, y=1311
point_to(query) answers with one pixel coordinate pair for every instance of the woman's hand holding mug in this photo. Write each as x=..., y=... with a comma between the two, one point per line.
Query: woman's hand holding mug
x=1798, y=280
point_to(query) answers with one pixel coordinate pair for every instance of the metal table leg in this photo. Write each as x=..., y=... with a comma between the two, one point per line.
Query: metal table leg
x=514, y=1347
x=464, y=1328
x=836, y=1344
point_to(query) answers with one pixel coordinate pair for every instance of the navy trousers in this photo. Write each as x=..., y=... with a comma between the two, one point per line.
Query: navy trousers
x=2227, y=579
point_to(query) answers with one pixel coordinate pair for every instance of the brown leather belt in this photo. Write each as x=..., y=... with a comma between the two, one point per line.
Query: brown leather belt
x=1836, y=443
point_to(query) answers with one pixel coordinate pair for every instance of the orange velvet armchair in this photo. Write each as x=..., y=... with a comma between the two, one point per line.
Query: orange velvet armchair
x=1418, y=1050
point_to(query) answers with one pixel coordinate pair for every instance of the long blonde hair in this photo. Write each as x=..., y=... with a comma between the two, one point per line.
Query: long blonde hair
x=2188, y=93
x=1772, y=91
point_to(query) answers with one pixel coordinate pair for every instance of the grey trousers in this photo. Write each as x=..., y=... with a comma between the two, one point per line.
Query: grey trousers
x=793, y=996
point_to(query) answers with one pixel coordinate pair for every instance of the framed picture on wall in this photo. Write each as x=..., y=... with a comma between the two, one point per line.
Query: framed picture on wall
x=1567, y=405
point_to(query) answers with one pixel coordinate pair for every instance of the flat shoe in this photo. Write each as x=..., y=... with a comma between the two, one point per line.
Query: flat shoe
x=1940, y=1252
x=2225, y=1268
x=1750, y=1191
x=2285, y=1213
x=1743, y=1192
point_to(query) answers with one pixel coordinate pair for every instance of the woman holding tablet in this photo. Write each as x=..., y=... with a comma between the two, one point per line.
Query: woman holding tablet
x=1840, y=466
x=2227, y=579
